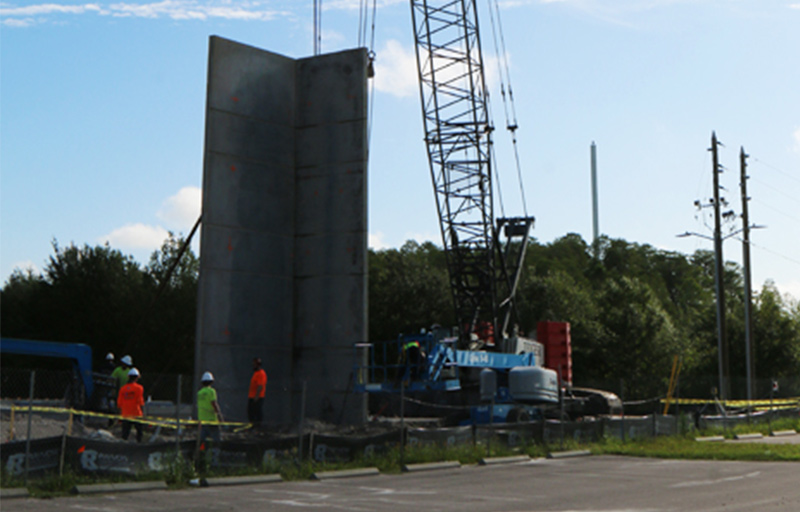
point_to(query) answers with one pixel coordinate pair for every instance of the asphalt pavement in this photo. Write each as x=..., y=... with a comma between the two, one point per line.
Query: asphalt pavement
x=580, y=484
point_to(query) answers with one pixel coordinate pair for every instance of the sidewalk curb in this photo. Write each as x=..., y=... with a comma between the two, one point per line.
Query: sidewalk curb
x=566, y=455
x=345, y=473
x=504, y=460
x=426, y=466
x=121, y=487
x=15, y=492
x=241, y=480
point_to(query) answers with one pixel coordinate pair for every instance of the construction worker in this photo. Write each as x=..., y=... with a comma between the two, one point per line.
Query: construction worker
x=255, y=395
x=130, y=401
x=109, y=366
x=208, y=409
x=412, y=355
x=120, y=373
x=119, y=378
x=107, y=389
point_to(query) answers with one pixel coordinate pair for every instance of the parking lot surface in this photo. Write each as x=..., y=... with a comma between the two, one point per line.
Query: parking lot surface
x=588, y=484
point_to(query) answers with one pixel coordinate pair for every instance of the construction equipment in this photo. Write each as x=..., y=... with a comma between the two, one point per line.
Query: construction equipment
x=87, y=388
x=484, y=256
x=458, y=135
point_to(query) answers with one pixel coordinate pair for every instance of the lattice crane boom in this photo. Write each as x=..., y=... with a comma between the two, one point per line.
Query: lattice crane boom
x=458, y=135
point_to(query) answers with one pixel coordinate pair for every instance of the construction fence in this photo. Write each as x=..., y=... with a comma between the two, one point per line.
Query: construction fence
x=26, y=456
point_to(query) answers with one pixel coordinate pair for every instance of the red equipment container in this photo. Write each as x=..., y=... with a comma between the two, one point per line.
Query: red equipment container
x=557, y=347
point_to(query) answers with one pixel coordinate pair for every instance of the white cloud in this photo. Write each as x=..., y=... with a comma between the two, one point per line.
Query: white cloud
x=174, y=9
x=42, y=9
x=136, y=236
x=396, y=70
x=376, y=241
x=180, y=211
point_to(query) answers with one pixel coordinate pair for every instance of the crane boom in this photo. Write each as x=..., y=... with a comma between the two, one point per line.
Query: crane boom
x=458, y=135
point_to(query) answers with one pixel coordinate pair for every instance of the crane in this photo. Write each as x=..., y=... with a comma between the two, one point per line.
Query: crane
x=483, y=270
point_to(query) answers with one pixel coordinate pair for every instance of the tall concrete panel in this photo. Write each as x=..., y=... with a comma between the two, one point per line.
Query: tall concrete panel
x=284, y=235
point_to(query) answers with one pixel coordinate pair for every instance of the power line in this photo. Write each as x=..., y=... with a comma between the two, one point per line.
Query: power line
x=775, y=168
x=776, y=253
x=792, y=197
x=762, y=203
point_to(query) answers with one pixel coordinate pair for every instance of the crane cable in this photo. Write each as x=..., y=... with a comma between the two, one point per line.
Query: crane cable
x=505, y=76
x=363, y=22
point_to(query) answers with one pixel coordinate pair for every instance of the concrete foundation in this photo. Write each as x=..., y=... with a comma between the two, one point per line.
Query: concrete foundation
x=284, y=235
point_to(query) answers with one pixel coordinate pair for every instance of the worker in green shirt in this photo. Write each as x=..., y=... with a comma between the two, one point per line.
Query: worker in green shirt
x=208, y=409
x=120, y=377
x=120, y=373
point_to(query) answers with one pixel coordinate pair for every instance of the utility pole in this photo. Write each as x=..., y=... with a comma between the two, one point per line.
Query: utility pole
x=748, y=289
x=595, y=222
x=722, y=342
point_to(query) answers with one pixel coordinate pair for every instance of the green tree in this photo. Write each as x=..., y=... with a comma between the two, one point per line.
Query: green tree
x=408, y=290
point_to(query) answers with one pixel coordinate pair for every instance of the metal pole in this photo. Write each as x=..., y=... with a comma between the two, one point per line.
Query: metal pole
x=595, y=221
x=30, y=417
x=491, y=428
x=722, y=342
x=178, y=420
x=302, y=421
x=622, y=399
x=561, y=403
x=748, y=287
x=402, y=424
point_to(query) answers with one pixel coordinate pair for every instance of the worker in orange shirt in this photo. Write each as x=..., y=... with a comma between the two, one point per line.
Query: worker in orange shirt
x=130, y=401
x=255, y=395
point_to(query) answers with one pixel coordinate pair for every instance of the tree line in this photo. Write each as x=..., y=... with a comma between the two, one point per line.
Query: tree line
x=631, y=308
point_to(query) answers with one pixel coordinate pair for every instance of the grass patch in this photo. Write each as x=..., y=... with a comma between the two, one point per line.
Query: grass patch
x=688, y=448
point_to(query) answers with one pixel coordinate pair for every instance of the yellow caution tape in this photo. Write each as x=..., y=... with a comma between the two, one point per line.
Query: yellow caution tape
x=735, y=403
x=152, y=420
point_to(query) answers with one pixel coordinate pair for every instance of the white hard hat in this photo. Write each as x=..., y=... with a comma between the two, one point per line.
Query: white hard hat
x=127, y=360
x=207, y=377
x=133, y=373
x=110, y=356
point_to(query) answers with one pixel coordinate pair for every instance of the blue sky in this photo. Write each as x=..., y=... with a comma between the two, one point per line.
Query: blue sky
x=102, y=118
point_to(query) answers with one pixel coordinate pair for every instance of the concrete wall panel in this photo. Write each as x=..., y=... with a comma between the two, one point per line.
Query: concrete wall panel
x=335, y=77
x=335, y=318
x=331, y=143
x=229, y=248
x=330, y=254
x=246, y=309
x=283, y=250
x=251, y=82
x=250, y=194
x=340, y=190
x=249, y=138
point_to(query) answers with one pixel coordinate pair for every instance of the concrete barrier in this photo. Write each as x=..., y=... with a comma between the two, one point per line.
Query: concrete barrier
x=569, y=454
x=242, y=480
x=345, y=473
x=16, y=492
x=781, y=433
x=710, y=439
x=119, y=487
x=754, y=435
x=488, y=461
x=427, y=466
